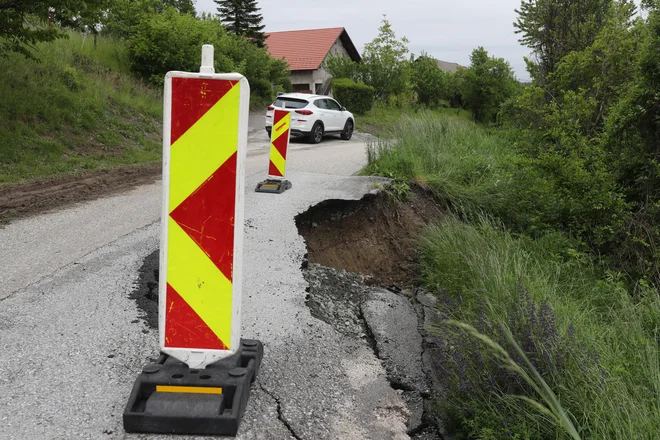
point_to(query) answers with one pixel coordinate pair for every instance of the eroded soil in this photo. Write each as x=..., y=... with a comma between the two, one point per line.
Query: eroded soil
x=33, y=198
x=376, y=236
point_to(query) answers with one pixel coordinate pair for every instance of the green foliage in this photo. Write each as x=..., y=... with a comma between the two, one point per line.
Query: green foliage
x=464, y=165
x=23, y=24
x=576, y=324
x=284, y=85
x=564, y=179
x=568, y=259
x=582, y=150
x=123, y=16
x=173, y=41
x=356, y=97
x=170, y=41
x=486, y=85
x=555, y=28
x=343, y=67
x=385, y=66
x=385, y=63
x=630, y=139
x=242, y=18
x=431, y=84
x=76, y=110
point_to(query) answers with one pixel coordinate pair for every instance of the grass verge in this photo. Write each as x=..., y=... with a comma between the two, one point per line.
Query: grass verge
x=75, y=109
x=460, y=162
x=382, y=119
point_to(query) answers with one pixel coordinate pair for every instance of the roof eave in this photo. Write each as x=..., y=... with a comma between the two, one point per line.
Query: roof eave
x=350, y=47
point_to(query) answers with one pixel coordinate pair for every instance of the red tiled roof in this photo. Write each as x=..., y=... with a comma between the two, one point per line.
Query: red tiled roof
x=306, y=49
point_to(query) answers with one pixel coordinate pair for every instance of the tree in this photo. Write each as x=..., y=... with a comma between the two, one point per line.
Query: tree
x=487, y=84
x=385, y=63
x=343, y=67
x=242, y=17
x=23, y=23
x=429, y=82
x=173, y=41
x=124, y=15
x=555, y=28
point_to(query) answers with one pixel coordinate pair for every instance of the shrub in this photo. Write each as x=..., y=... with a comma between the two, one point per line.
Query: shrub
x=356, y=97
x=173, y=41
x=429, y=83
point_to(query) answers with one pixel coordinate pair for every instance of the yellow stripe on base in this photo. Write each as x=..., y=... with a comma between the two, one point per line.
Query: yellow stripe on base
x=199, y=282
x=195, y=390
x=204, y=147
x=277, y=159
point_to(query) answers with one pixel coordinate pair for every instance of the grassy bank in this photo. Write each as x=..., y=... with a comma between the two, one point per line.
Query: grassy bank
x=382, y=119
x=461, y=163
x=592, y=341
x=77, y=108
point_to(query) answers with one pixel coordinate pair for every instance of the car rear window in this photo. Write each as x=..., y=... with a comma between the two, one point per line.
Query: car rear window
x=290, y=103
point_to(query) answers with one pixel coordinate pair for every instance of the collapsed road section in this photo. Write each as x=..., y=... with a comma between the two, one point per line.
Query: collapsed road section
x=361, y=271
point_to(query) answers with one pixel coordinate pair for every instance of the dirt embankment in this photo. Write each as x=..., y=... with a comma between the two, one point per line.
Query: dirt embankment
x=29, y=199
x=376, y=236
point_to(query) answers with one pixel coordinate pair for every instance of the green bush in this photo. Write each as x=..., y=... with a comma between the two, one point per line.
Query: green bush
x=358, y=98
x=285, y=85
x=430, y=83
x=173, y=41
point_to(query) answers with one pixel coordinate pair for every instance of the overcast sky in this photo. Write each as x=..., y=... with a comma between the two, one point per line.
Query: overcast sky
x=447, y=29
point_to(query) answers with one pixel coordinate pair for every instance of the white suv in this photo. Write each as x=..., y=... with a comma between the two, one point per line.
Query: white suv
x=313, y=116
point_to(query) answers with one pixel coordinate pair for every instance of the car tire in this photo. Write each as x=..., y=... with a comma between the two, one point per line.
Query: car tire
x=268, y=132
x=347, y=133
x=317, y=133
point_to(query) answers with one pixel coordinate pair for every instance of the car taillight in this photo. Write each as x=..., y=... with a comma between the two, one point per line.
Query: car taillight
x=304, y=112
x=270, y=107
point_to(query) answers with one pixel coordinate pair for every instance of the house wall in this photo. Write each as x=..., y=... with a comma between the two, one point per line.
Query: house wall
x=316, y=78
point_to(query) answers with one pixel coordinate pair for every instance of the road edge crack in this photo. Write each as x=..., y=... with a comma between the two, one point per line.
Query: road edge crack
x=280, y=414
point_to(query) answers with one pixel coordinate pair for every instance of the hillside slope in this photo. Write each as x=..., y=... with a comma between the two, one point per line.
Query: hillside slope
x=74, y=110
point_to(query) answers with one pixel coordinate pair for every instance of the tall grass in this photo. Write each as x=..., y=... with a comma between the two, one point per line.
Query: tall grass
x=459, y=161
x=74, y=109
x=602, y=362
x=383, y=119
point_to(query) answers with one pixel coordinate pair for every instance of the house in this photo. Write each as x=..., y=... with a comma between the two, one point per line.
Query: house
x=306, y=50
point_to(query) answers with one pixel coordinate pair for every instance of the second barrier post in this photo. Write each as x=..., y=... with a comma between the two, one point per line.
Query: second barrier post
x=279, y=145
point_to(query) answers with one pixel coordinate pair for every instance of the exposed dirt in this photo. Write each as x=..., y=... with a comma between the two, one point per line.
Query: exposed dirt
x=33, y=198
x=376, y=236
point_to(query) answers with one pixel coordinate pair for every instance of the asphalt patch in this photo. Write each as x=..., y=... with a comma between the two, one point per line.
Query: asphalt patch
x=145, y=293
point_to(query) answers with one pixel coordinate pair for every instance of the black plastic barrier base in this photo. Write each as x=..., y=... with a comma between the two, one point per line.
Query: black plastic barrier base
x=170, y=398
x=273, y=186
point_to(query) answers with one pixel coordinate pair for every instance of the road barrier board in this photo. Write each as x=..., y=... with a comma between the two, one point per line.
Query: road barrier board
x=205, y=142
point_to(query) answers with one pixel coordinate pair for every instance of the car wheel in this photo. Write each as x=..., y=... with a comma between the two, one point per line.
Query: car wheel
x=268, y=132
x=317, y=133
x=348, y=131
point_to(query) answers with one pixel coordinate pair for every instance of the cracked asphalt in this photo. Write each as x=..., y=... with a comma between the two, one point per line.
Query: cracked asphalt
x=72, y=342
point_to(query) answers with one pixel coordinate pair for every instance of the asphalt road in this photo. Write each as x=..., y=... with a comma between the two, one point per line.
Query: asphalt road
x=72, y=343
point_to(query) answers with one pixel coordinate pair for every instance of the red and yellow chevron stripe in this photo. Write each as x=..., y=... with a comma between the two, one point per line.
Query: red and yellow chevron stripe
x=202, y=209
x=279, y=142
